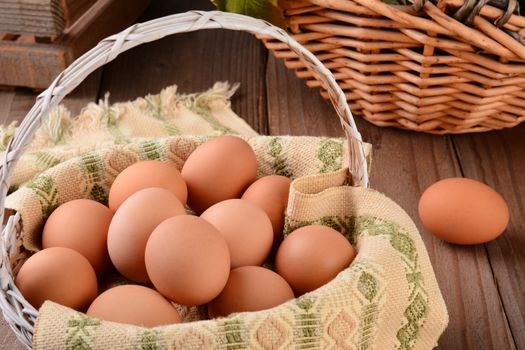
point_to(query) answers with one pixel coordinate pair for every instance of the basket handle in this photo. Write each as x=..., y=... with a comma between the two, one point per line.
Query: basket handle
x=109, y=48
x=471, y=9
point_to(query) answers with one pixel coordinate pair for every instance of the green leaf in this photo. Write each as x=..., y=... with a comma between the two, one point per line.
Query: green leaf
x=219, y=4
x=268, y=10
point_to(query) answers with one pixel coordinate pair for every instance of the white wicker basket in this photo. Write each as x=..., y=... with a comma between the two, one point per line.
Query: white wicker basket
x=18, y=313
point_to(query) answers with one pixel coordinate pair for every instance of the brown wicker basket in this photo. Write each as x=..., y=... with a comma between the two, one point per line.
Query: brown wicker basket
x=419, y=70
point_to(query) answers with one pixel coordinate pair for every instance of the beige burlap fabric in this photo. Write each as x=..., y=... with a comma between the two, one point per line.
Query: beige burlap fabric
x=80, y=157
x=387, y=299
x=101, y=124
x=91, y=174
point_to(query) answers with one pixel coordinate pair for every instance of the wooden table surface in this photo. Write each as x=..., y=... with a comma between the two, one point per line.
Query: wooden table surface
x=483, y=285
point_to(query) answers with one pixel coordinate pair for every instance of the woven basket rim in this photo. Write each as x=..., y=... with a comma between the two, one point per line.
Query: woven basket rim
x=18, y=313
x=422, y=71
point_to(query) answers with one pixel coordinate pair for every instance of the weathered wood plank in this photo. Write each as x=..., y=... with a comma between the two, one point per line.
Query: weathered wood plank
x=294, y=109
x=404, y=164
x=36, y=64
x=7, y=337
x=74, y=9
x=43, y=18
x=14, y=105
x=498, y=159
x=104, y=18
x=6, y=98
x=22, y=102
x=86, y=92
x=23, y=99
x=30, y=64
x=195, y=61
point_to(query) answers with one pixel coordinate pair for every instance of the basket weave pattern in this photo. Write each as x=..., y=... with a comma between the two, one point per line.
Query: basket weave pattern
x=18, y=313
x=422, y=71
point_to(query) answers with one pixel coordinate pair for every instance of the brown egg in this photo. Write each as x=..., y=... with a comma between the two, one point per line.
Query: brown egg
x=187, y=260
x=132, y=225
x=246, y=228
x=463, y=211
x=271, y=194
x=312, y=256
x=149, y=173
x=81, y=225
x=250, y=288
x=217, y=170
x=136, y=305
x=58, y=274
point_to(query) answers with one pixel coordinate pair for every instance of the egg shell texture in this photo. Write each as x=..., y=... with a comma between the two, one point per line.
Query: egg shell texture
x=133, y=304
x=270, y=193
x=246, y=228
x=463, y=211
x=132, y=225
x=58, y=274
x=219, y=169
x=144, y=174
x=250, y=288
x=81, y=225
x=312, y=256
x=187, y=260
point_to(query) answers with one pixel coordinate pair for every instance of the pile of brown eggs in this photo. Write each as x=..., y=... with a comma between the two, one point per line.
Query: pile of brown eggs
x=167, y=256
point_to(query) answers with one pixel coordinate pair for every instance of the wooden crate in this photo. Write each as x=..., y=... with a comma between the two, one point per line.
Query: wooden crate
x=34, y=61
x=48, y=18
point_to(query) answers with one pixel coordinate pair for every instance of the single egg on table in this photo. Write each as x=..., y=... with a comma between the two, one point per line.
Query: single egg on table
x=271, y=194
x=219, y=169
x=132, y=225
x=187, y=260
x=58, y=274
x=463, y=211
x=312, y=256
x=246, y=228
x=82, y=225
x=250, y=288
x=144, y=174
x=133, y=304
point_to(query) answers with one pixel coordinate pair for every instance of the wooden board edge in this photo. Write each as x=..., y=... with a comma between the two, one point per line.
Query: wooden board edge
x=35, y=65
x=104, y=18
